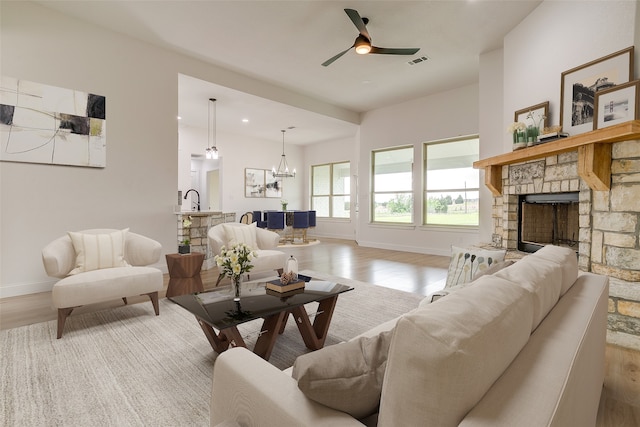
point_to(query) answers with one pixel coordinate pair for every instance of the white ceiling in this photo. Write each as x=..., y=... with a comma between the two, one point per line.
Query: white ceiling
x=284, y=42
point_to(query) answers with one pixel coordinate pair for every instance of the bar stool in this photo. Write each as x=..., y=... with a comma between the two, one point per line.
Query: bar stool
x=275, y=221
x=300, y=222
x=312, y=222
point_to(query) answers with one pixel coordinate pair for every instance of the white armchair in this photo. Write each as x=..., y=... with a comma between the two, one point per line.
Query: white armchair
x=100, y=265
x=263, y=241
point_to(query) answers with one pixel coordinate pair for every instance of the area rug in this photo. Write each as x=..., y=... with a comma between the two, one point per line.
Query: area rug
x=126, y=366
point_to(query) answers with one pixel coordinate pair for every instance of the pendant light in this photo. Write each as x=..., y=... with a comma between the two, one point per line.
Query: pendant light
x=283, y=167
x=212, y=151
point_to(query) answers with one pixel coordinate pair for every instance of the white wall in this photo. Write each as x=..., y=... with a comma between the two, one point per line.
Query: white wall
x=561, y=35
x=138, y=187
x=444, y=115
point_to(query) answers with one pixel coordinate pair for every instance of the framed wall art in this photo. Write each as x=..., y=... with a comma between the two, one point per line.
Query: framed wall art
x=579, y=86
x=536, y=115
x=52, y=125
x=261, y=183
x=617, y=105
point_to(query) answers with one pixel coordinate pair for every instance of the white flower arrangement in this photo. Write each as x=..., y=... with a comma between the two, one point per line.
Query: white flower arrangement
x=186, y=222
x=516, y=127
x=235, y=261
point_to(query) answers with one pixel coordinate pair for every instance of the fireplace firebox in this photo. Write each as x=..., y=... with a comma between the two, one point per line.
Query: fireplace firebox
x=551, y=218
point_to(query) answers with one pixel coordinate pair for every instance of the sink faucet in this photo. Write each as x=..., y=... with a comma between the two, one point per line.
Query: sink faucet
x=197, y=194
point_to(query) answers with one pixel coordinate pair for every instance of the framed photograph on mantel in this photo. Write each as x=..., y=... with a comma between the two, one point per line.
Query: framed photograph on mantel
x=580, y=85
x=617, y=105
x=536, y=115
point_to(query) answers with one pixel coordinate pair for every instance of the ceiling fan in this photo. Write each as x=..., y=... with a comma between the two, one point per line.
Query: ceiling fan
x=363, y=41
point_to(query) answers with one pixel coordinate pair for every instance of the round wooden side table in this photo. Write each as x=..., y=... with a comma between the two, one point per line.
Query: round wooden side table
x=184, y=273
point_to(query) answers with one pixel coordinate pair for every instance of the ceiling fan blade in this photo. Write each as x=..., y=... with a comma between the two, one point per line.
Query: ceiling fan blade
x=394, y=51
x=332, y=59
x=358, y=22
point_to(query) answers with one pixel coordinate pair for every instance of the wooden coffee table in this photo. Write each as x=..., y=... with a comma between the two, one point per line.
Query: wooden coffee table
x=216, y=310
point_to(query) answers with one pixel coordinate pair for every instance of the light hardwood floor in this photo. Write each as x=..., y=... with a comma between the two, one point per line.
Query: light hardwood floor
x=418, y=273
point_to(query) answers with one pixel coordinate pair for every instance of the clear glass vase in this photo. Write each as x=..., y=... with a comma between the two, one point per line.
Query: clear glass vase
x=236, y=281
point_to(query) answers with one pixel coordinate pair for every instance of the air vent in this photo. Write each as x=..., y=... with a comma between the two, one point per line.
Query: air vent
x=417, y=60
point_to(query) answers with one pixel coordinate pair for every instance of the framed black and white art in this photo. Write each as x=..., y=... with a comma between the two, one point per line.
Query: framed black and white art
x=617, y=105
x=580, y=85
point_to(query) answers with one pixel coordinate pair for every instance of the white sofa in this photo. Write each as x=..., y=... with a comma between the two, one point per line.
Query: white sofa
x=263, y=241
x=88, y=282
x=522, y=347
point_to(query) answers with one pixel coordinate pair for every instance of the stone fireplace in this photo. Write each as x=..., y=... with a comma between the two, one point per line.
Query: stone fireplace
x=608, y=222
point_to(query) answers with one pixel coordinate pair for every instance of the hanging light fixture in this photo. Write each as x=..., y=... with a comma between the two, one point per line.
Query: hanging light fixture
x=212, y=151
x=283, y=167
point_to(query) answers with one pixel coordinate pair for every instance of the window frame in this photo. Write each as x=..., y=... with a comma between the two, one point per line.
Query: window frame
x=426, y=191
x=331, y=194
x=373, y=193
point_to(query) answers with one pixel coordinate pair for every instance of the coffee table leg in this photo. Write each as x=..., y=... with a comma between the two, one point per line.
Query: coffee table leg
x=219, y=343
x=315, y=334
x=232, y=335
x=268, y=334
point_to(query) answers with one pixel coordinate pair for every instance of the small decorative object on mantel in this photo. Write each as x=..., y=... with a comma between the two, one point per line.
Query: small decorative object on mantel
x=519, y=132
x=535, y=119
x=284, y=204
x=185, y=247
x=551, y=134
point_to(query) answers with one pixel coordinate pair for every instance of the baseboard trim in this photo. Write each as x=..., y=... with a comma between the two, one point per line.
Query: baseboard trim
x=16, y=290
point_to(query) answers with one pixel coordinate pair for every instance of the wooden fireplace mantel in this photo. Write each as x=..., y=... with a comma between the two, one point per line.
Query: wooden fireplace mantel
x=594, y=155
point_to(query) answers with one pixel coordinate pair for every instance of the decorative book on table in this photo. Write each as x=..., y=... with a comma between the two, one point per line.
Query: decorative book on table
x=284, y=294
x=276, y=285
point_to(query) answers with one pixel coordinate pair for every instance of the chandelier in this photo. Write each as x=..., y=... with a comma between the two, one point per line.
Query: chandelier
x=283, y=167
x=212, y=152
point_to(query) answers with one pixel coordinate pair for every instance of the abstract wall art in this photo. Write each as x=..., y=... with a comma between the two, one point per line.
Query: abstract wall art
x=48, y=124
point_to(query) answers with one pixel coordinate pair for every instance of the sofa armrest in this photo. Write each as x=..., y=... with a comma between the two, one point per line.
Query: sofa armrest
x=141, y=250
x=251, y=391
x=59, y=257
x=267, y=239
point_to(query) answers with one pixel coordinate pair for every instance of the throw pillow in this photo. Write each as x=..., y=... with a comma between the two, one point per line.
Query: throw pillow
x=466, y=263
x=98, y=251
x=237, y=234
x=348, y=376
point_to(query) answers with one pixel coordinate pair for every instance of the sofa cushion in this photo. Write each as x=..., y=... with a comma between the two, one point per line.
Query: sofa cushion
x=105, y=285
x=347, y=376
x=466, y=263
x=564, y=257
x=445, y=356
x=98, y=251
x=541, y=278
x=237, y=234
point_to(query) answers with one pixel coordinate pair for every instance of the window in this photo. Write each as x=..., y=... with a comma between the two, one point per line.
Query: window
x=451, y=193
x=392, y=200
x=331, y=190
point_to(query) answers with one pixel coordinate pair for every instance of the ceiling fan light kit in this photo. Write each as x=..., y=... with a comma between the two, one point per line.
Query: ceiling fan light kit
x=362, y=43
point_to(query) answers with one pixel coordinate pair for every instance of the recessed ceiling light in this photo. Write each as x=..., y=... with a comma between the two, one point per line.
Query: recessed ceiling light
x=245, y=120
x=179, y=118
